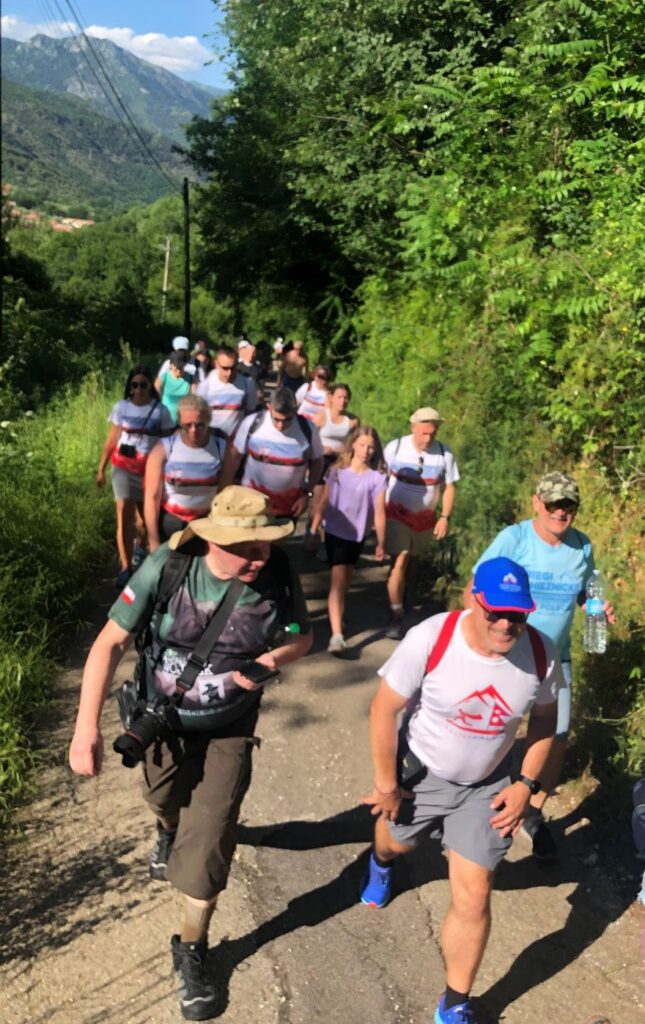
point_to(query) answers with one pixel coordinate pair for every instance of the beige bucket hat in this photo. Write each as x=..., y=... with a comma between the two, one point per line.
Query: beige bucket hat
x=426, y=415
x=237, y=514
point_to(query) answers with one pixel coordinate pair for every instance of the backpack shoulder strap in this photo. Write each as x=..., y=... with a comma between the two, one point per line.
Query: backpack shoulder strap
x=257, y=419
x=442, y=641
x=305, y=426
x=539, y=653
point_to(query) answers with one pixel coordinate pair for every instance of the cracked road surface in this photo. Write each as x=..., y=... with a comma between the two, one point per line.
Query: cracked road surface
x=85, y=933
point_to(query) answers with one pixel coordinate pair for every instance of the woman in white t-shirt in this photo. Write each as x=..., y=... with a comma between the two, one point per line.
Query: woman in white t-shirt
x=138, y=421
x=312, y=398
x=353, y=501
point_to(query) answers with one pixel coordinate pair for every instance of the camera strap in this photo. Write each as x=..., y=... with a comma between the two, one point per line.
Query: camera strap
x=198, y=660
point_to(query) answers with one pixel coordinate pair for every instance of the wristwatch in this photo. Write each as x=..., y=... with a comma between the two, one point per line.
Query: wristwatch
x=533, y=784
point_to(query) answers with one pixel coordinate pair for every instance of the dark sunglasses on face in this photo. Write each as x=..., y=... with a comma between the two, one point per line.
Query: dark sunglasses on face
x=569, y=507
x=322, y=376
x=282, y=419
x=491, y=616
x=136, y=384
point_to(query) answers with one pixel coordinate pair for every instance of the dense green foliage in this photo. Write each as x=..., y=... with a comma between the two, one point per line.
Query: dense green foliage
x=466, y=180
x=63, y=157
x=55, y=527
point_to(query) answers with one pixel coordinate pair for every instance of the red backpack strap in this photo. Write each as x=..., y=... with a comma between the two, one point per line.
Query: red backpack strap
x=539, y=652
x=441, y=644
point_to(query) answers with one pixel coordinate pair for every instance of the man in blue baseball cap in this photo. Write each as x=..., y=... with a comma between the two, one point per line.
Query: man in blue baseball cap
x=467, y=679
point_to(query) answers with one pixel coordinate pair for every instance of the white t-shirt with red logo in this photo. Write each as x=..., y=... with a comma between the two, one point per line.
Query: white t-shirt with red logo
x=415, y=479
x=468, y=709
x=277, y=460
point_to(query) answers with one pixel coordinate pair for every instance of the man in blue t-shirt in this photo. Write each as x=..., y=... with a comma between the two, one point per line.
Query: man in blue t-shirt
x=559, y=561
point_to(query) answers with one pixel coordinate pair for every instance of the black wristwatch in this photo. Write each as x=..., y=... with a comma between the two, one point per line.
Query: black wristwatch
x=534, y=785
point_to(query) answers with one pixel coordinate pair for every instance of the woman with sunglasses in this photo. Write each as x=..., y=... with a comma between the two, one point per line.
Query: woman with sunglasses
x=138, y=421
x=353, y=501
x=182, y=473
x=313, y=398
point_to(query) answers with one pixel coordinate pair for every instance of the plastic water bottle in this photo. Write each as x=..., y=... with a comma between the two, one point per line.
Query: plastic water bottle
x=595, y=639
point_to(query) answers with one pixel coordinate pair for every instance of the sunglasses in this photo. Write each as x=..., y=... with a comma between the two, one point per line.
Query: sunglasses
x=136, y=384
x=282, y=419
x=568, y=507
x=491, y=616
x=322, y=376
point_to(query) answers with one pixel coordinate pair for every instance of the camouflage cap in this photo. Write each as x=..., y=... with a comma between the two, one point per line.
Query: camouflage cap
x=558, y=487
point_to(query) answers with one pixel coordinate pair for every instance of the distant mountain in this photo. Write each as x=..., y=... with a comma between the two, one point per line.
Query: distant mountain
x=212, y=90
x=58, y=152
x=158, y=101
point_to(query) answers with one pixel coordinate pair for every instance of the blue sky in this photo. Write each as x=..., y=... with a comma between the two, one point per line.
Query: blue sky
x=169, y=34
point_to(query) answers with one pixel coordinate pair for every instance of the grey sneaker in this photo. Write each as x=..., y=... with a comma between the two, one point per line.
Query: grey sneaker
x=161, y=852
x=198, y=995
x=337, y=643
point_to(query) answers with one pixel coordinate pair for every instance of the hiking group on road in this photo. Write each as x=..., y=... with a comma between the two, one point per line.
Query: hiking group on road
x=209, y=473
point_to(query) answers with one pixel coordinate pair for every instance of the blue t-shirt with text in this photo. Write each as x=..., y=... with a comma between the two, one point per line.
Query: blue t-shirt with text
x=557, y=575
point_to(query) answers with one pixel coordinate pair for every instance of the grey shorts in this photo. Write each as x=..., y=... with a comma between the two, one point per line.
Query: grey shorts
x=126, y=486
x=463, y=811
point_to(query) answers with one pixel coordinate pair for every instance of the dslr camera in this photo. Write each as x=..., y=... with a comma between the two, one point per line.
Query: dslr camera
x=145, y=722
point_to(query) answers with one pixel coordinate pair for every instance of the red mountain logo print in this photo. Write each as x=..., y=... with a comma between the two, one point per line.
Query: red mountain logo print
x=483, y=712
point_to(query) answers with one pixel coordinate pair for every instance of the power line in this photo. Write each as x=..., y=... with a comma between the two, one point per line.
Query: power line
x=49, y=14
x=137, y=137
x=99, y=61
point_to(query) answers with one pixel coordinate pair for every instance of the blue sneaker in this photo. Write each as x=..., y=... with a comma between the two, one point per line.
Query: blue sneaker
x=139, y=556
x=375, y=887
x=462, y=1013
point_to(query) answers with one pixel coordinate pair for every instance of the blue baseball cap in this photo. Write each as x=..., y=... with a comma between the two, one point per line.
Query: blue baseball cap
x=503, y=586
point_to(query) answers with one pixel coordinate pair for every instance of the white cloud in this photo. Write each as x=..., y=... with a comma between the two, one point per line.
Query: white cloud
x=16, y=28
x=178, y=54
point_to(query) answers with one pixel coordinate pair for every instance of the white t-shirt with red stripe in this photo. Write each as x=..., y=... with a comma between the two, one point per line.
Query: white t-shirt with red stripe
x=190, y=476
x=415, y=479
x=468, y=709
x=229, y=401
x=277, y=460
x=311, y=399
x=141, y=428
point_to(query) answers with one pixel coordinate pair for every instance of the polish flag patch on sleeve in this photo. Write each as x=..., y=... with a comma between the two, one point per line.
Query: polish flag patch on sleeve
x=128, y=595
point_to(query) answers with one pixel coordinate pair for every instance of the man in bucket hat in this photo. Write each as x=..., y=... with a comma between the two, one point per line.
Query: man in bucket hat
x=559, y=561
x=421, y=474
x=198, y=768
x=466, y=679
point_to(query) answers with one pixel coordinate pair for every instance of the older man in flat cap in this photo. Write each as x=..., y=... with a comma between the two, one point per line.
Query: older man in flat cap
x=422, y=472
x=217, y=610
x=559, y=561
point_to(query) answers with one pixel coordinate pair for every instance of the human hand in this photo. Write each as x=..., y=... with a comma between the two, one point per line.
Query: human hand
x=247, y=684
x=100, y=479
x=299, y=506
x=386, y=805
x=610, y=615
x=379, y=554
x=86, y=751
x=511, y=804
x=441, y=528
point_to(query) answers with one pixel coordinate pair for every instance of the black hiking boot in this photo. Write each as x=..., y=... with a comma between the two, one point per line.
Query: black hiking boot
x=198, y=995
x=161, y=852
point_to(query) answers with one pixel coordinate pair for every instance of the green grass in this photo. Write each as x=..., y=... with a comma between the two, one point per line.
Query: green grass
x=56, y=530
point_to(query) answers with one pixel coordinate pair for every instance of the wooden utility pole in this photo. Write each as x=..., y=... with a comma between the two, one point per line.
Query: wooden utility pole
x=187, y=324
x=164, y=287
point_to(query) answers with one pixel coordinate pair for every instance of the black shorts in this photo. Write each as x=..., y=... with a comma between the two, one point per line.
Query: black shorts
x=342, y=552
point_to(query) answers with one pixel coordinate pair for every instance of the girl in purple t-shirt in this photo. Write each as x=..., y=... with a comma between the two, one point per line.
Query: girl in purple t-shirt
x=353, y=501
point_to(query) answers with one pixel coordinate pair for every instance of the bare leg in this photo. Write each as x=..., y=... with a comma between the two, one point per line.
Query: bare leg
x=341, y=577
x=396, y=580
x=197, y=916
x=385, y=847
x=551, y=773
x=467, y=924
x=141, y=532
x=125, y=531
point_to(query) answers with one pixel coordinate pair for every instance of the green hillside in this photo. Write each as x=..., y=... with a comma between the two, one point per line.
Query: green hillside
x=61, y=155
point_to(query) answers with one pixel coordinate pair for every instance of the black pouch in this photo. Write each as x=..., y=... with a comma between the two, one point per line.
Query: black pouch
x=410, y=769
x=128, y=451
x=127, y=697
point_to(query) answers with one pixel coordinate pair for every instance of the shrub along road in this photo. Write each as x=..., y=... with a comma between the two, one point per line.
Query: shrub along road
x=85, y=935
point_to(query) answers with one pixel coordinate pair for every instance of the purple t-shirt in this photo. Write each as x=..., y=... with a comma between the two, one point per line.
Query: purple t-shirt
x=352, y=496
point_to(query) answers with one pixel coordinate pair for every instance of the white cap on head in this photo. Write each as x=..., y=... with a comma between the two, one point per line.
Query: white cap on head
x=244, y=344
x=180, y=344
